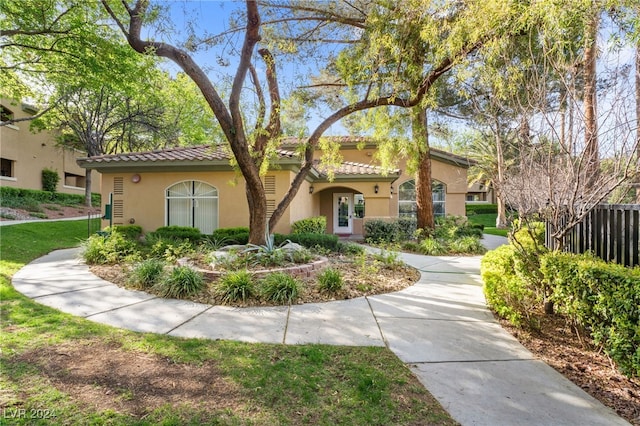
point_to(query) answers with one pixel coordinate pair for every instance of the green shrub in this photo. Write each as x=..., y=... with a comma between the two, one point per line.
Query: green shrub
x=432, y=247
x=330, y=280
x=235, y=286
x=301, y=256
x=406, y=227
x=350, y=248
x=380, y=231
x=451, y=227
x=50, y=179
x=178, y=233
x=238, y=235
x=280, y=288
x=171, y=250
x=467, y=245
x=390, y=259
x=146, y=273
x=109, y=249
x=131, y=232
x=310, y=225
x=37, y=196
x=181, y=281
x=506, y=293
x=601, y=297
x=472, y=209
x=311, y=241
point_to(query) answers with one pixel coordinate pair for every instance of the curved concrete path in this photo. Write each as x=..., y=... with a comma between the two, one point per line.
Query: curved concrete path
x=440, y=327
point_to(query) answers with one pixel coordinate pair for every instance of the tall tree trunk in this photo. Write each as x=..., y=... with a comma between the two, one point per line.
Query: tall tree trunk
x=257, y=203
x=87, y=187
x=637, y=180
x=590, y=117
x=424, y=194
x=501, y=218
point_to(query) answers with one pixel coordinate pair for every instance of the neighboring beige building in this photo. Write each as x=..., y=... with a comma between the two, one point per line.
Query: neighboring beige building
x=24, y=154
x=196, y=186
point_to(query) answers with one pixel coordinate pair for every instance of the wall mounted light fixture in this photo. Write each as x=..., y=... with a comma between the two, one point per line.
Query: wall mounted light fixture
x=376, y=188
x=136, y=178
x=391, y=189
x=311, y=189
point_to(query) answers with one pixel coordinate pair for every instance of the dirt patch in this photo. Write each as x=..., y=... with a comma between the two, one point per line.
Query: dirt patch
x=105, y=377
x=579, y=360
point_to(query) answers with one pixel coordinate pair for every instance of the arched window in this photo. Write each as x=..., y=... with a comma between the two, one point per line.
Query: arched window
x=407, y=198
x=192, y=203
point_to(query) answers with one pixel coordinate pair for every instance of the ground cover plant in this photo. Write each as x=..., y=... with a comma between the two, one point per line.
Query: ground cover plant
x=452, y=235
x=17, y=203
x=73, y=371
x=122, y=257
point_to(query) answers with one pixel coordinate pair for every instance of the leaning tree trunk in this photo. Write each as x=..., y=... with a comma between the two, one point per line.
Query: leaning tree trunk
x=424, y=194
x=637, y=180
x=501, y=218
x=590, y=120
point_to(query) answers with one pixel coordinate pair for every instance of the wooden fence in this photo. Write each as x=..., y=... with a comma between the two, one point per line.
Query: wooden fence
x=610, y=231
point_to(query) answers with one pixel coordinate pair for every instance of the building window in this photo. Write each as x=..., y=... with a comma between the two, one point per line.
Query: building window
x=74, y=180
x=194, y=204
x=358, y=206
x=407, y=198
x=5, y=114
x=6, y=168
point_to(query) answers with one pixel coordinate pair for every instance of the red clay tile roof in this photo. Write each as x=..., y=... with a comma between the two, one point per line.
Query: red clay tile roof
x=209, y=153
x=191, y=153
x=351, y=168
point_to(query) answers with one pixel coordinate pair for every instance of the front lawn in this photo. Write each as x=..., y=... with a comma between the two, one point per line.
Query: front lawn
x=489, y=222
x=61, y=369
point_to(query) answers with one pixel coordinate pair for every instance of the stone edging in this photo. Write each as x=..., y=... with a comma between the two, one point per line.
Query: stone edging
x=301, y=271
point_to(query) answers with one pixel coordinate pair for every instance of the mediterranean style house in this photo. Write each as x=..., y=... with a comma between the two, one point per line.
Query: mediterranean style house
x=24, y=154
x=197, y=187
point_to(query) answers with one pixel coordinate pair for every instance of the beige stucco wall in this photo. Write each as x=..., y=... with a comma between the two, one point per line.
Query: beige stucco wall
x=454, y=177
x=144, y=202
x=33, y=152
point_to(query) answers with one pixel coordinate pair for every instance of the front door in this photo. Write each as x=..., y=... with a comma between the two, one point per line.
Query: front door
x=342, y=213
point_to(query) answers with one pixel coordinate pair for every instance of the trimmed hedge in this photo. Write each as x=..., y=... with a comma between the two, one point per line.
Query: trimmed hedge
x=50, y=179
x=238, y=235
x=131, y=232
x=177, y=233
x=602, y=297
x=310, y=225
x=507, y=294
x=472, y=209
x=46, y=196
x=382, y=231
x=326, y=241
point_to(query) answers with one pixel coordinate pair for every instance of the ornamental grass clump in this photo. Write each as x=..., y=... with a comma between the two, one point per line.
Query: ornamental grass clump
x=146, y=273
x=181, y=281
x=330, y=280
x=235, y=286
x=280, y=287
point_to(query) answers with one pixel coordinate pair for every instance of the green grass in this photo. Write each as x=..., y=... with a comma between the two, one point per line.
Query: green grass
x=274, y=384
x=489, y=222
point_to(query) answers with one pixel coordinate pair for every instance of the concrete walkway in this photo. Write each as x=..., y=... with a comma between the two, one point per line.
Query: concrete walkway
x=440, y=327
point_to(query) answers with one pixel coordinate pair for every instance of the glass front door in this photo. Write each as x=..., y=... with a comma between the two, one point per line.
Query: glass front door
x=342, y=213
